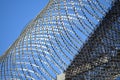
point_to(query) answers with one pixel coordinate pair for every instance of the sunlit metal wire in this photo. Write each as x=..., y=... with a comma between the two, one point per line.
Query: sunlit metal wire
x=49, y=43
x=99, y=59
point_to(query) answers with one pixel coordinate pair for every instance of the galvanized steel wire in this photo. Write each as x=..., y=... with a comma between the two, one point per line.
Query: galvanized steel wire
x=49, y=43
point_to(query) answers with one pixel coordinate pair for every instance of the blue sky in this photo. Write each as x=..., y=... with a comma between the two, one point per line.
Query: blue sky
x=14, y=15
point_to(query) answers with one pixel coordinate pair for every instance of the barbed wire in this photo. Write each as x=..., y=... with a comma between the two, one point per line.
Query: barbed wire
x=50, y=42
